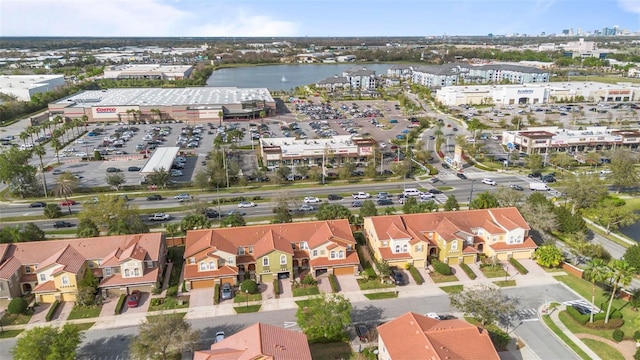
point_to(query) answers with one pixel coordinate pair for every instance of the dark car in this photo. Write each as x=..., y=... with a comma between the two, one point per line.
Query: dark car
x=581, y=309
x=357, y=203
x=385, y=201
x=154, y=197
x=461, y=176
x=38, y=204
x=211, y=214
x=62, y=224
x=435, y=191
x=516, y=187
x=133, y=299
x=535, y=175
x=112, y=170
x=548, y=179
x=362, y=333
x=334, y=197
x=398, y=278
x=133, y=168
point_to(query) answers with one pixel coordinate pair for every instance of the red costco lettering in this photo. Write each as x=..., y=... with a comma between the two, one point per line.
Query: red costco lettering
x=105, y=110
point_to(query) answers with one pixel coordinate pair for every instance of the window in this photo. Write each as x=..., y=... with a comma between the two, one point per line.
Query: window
x=340, y=254
x=43, y=277
x=149, y=264
x=107, y=271
x=240, y=251
x=385, y=243
x=397, y=249
x=192, y=260
x=404, y=248
x=349, y=247
x=230, y=260
x=250, y=249
x=333, y=254
x=265, y=261
x=99, y=262
x=27, y=269
x=212, y=265
x=127, y=272
x=283, y=259
x=136, y=272
x=418, y=248
x=65, y=280
x=203, y=266
x=454, y=245
x=1, y=286
x=304, y=245
x=314, y=252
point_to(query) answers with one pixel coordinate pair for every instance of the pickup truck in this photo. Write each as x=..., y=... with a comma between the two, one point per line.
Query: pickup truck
x=361, y=195
x=159, y=217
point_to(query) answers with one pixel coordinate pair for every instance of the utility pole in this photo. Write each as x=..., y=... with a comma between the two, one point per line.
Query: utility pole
x=471, y=192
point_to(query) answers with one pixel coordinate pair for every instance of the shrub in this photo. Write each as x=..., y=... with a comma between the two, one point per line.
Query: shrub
x=581, y=319
x=172, y=291
x=442, y=268
x=618, y=335
x=309, y=280
x=184, y=286
x=636, y=356
x=636, y=335
x=467, y=270
x=249, y=286
x=276, y=287
x=52, y=310
x=600, y=325
x=333, y=281
x=120, y=304
x=416, y=275
x=17, y=306
x=216, y=294
x=499, y=338
x=516, y=264
x=52, y=211
x=370, y=274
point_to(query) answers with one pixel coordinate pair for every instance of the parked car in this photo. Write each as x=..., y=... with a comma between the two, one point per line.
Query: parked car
x=226, y=292
x=219, y=336
x=489, y=182
x=433, y=316
x=62, y=224
x=38, y=204
x=246, y=204
x=113, y=170
x=362, y=332
x=154, y=197
x=133, y=299
x=68, y=202
x=398, y=277
x=334, y=197
x=311, y=200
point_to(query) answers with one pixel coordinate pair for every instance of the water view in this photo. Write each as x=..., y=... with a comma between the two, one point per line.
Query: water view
x=283, y=77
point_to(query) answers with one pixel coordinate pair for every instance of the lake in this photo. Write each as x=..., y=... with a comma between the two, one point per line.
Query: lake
x=272, y=76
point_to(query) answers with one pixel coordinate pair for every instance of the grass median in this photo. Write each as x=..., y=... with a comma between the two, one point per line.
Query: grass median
x=573, y=346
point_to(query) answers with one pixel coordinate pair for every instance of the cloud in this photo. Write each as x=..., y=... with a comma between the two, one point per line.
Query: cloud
x=244, y=23
x=632, y=6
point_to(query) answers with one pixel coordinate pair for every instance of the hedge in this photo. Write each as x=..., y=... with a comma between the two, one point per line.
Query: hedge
x=333, y=281
x=120, y=304
x=636, y=335
x=441, y=268
x=216, y=294
x=467, y=270
x=618, y=335
x=416, y=275
x=615, y=319
x=636, y=356
x=52, y=310
x=172, y=291
x=276, y=288
x=516, y=264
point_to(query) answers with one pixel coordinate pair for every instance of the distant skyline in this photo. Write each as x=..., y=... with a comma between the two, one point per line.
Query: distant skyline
x=314, y=18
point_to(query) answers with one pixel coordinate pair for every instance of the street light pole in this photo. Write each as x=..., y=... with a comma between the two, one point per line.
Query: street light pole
x=471, y=192
x=246, y=292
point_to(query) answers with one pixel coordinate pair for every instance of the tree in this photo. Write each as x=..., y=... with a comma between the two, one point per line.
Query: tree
x=534, y=162
x=328, y=211
x=325, y=318
x=194, y=221
x=115, y=180
x=41, y=151
x=17, y=305
x=562, y=159
x=87, y=289
x=595, y=272
x=130, y=224
x=623, y=173
x=484, y=200
x=283, y=215
x=52, y=211
x=568, y=222
x=484, y=302
x=540, y=217
x=508, y=197
x=234, y=220
x=107, y=211
x=621, y=274
x=632, y=256
x=584, y=191
x=87, y=228
x=548, y=256
x=17, y=173
x=66, y=184
x=368, y=209
x=159, y=177
x=31, y=232
x=613, y=213
x=451, y=204
x=163, y=337
x=48, y=343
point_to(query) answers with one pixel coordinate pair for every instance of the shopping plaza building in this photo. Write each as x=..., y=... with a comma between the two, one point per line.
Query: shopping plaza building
x=191, y=104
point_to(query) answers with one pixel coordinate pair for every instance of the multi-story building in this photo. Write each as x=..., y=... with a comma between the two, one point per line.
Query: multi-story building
x=453, y=237
x=361, y=78
x=265, y=252
x=52, y=269
x=148, y=72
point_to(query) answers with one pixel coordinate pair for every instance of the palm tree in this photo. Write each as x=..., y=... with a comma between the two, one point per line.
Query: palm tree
x=221, y=116
x=85, y=122
x=622, y=273
x=41, y=151
x=57, y=146
x=596, y=272
x=31, y=130
x=65, y=185
x=23, y=136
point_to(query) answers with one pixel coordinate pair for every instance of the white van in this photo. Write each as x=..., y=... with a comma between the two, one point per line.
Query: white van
x=411, y=192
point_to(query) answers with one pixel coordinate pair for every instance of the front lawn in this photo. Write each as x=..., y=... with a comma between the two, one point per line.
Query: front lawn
x=373, y=284
x=305, y=290
x=605, y=351
x=166, y=304
x=382, y=295
x=247, y=309
x=84, y=312
x=505, y=283
x=453, y=289
x=242, y=298
x=439, y=278
x=305, y=303
x=493, y=271
x=10, y=333
x=330, y=351
x=84, y=326
x=11, y=319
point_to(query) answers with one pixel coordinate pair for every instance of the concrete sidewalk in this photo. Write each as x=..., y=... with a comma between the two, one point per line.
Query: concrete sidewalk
x=553, y=315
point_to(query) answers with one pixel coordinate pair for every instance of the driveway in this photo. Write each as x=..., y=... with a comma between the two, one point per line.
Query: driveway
x=348, y=283
x=40, y=312
x=109, y=306
x=285, y=288
x=201, y=297
x=143, y=305
x=324, y=285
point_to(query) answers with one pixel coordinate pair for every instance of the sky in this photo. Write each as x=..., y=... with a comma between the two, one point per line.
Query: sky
x=313, y=18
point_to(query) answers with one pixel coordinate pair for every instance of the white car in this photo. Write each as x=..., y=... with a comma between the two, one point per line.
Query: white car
x=306, y=207
x=311, y=200
x=80, y=141
x=182, y=197
x=246, y=204
x=433, y=315
x=81, y=154
x=489, y=182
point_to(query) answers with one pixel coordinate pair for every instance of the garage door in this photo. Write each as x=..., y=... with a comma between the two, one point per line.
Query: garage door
x=266, y=278
x=418, y=264
x=452, y=261
x=469, y=259
x=343, y=271
x=141, y=288
x=502, y=256
x=320, y=272
x=68, y=297
x=230, y=281
x=522, y=255
x=47, y=298
x=202, y=284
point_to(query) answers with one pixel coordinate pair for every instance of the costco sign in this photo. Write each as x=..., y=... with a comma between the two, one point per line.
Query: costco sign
x=112, y=112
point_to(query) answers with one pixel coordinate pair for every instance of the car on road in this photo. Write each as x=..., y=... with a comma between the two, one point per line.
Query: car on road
x=535, y=175
x=182, y=197
x=462, y=176
x=433, y=316
x=219, y=336
x=62, y=224
x=489, y=182
x=68, y=203
x=57, y=172
x=434, y=191
x=154, y=197
x=357, y=203
x=383, y=195
x=548, y=179
x=212, y=213
x=234, y=212
x=246, y=204
x=133, y=168
x=334, y=197
x=516, y=187
x=133, y=299
x=159, y=217
x=226, y=292
x=361, y=195
x=113, y=170
x=81, y=154
x=311, y=200
x=385, y=201
x=306, y=207
x=38, y=204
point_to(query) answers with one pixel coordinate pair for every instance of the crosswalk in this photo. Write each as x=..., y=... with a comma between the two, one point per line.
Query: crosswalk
x=529, y=314
x=582, y=302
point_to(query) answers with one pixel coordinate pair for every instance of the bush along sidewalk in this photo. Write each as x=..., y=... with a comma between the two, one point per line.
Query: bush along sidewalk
x=415, y=274
x=333, y=281
x=516, y=264
x=52, y=310
x=467, y=270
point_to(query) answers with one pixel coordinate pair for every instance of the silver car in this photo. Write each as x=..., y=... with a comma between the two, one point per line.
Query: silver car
x=226, y=291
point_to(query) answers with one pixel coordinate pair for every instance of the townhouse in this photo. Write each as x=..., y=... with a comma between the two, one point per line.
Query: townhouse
x=52, y=269
x=452, y=237
x=266, y=252
x=433, y=339
x=259, y=341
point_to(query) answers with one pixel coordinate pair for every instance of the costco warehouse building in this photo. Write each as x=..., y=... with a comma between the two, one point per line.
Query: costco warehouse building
x=192, y=105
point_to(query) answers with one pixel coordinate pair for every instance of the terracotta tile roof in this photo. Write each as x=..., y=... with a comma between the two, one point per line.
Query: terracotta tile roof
x=396, y=232
x=332, y=246
x=470, y=250
x=4, y=248
x=245, y=259
x=435, y=339
x=300, y=254
x=9, y=267
x=133, y=252
x=387, y=254
x=48, y=286
x=350, y=259
x=259, y=341
x=150, y=276
x=113, y=259
x=527, y=244
x=191, y=272
x=271, y=241
x=68, y=258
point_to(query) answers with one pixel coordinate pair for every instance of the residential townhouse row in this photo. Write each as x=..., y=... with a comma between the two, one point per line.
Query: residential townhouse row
x=52, y=269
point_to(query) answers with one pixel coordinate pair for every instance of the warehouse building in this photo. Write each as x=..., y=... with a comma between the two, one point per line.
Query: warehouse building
x=192, y=105
x=25, y=86
x=148, y=72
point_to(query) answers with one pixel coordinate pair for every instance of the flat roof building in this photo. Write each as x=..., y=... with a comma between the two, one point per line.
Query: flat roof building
x=24, y=86
x=192, y=104
x=162, y=158
x=148, y=71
